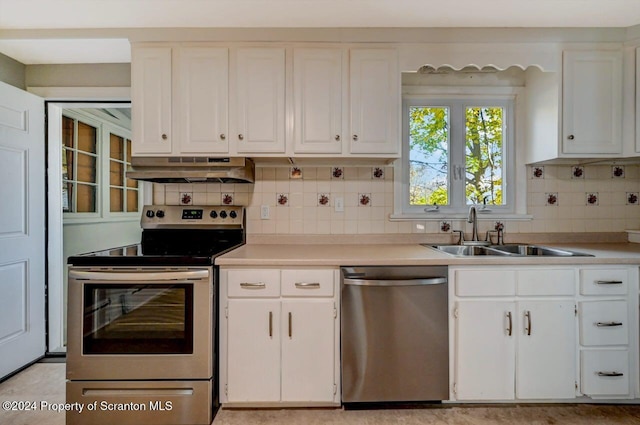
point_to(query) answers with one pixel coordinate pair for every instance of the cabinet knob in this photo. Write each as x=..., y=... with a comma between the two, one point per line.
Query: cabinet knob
x=223, y=136
x=240, y=136
x=571, y=137
x=164, y=137
x=337, y=137
x=355, y=137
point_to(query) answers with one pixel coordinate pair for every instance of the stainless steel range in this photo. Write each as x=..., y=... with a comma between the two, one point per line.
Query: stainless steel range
x=142, y=336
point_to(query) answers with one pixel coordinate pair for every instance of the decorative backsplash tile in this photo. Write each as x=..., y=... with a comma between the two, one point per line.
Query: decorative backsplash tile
x=557, y=199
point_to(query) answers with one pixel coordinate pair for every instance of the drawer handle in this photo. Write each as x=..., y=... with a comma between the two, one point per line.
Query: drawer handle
x=610, y=374
x=290, y=325
x=608, y=324
x=248, y=285
x=510, y=328
x=271, y=324
x=527, y=328
x=609, y=282
x=308, y=285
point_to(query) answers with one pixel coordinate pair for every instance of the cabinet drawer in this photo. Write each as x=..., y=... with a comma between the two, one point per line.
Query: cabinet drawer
x=253, y=283
x=604, y=323
x=478, y=283
x=603, y=281
x=604, y=372
x=307, y=283
x=546, y=282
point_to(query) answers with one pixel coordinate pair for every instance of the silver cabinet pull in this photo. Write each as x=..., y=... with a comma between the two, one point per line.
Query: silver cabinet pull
x=249, y=285
x=223, y=136
x=510, y=328
x=610, y=374
x=609, y=282
x=571, y=137
x=164, y=137
x=355, y=137
x=337, y=137
x=241, y=136
x=270, y=324
x=527, y=314
x=308, y=285
x=608, y=324
x=290, y=325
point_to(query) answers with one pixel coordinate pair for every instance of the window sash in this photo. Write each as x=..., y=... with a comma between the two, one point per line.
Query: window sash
x=457, y=105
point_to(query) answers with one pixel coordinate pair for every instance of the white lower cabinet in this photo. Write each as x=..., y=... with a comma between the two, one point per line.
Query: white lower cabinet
x=509, y=346
x=279, y=338
x=253, y=348
x=485, y=352
x=546, y=350
x=608, y=332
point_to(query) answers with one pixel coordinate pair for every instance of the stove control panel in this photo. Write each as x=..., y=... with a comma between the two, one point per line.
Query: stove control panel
x=186, y=216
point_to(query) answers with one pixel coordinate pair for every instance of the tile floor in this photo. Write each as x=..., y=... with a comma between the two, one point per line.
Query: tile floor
x=45, y=382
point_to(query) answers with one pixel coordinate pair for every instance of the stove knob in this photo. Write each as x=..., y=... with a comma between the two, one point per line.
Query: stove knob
x=150, y=214
x=213, y=214
x=233, y=214
x=223, y=214
x=160, y=213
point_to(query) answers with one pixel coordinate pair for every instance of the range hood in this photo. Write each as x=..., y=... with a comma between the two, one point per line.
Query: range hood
x=189, y=169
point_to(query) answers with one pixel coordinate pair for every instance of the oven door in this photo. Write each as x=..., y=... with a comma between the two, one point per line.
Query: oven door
x=140, y=323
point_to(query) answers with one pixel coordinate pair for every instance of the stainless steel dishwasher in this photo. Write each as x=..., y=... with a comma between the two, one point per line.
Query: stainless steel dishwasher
x=395, y=338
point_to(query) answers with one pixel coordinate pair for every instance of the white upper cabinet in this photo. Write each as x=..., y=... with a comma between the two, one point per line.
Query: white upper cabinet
x=374, y=81
x=317, y=100
x=260, y=100
x=151, y=100
x=592, y=102
x=270, y=101
x=202, y=99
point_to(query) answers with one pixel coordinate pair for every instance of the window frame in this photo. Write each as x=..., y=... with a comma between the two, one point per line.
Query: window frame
x=513, y=165
x=103, y=213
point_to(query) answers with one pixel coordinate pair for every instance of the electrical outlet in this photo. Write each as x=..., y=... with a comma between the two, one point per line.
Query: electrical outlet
x=339, y=204
x=264, y=212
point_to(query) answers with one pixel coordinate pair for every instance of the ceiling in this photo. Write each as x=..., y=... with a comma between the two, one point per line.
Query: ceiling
x=23, y=16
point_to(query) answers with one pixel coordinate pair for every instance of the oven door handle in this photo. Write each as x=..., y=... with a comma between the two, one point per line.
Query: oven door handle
x=115, y=276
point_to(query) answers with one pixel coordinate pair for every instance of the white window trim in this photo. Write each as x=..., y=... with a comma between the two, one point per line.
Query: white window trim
x=102, y=214
x=515, y=169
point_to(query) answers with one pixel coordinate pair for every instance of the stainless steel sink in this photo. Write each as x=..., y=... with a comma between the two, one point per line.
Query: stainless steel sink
x=467, y=250
x=536, y=250
x=507, y=250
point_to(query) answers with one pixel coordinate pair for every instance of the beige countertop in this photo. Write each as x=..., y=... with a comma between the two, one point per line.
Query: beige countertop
x=275, y=255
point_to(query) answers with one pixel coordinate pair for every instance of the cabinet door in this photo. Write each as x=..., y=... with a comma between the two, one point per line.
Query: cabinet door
x=308, y=350
x=253, y=350
x=151, y=100
x=485, y=350
x=375, y=101
x=592, y=102
x=317, y=98
x=260, y=96
x=546, y=350
x=203, y=76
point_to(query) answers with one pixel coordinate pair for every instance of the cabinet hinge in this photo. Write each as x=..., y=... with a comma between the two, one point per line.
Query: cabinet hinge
x=575, y=312
x=226, y=389
x=335, y=311
x=455, y=312
x=455, y=388
x=226, y=311
x=335, y=389
x=576, y=385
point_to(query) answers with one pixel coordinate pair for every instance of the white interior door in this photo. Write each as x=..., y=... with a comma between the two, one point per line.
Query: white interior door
x=22, y=228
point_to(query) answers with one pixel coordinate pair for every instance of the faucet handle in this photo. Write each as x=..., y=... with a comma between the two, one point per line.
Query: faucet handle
x=461, y=237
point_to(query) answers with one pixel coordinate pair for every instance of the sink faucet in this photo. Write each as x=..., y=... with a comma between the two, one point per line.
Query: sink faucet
x=473, y=218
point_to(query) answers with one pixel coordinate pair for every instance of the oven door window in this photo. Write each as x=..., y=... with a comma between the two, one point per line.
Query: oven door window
x=138, y=319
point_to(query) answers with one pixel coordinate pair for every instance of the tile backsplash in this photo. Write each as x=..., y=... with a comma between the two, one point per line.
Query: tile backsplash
x=302, y=200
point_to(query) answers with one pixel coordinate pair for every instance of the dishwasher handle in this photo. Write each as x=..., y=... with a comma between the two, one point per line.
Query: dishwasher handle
x=395, y=282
